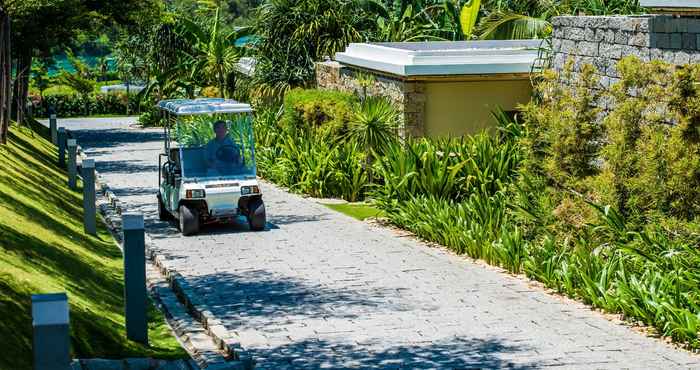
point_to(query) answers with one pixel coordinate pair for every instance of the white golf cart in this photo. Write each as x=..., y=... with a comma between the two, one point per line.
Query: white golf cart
x=207, y=171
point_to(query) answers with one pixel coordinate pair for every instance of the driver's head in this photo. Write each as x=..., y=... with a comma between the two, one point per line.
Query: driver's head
x=220, y=129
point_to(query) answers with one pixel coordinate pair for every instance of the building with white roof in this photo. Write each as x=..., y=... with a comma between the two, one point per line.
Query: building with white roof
x=442, y=88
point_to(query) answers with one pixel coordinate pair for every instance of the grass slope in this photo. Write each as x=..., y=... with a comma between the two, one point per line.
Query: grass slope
x=358, y=211
x=43, y=249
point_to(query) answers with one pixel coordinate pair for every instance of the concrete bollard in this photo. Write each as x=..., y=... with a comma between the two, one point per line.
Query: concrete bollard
x=52, y=128
x=72, y=145
x=135, y=277
x=88, y=173
x=62, y=136
x=50, y=337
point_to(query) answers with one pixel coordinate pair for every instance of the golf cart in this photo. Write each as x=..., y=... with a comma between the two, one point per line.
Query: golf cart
x=207, y=170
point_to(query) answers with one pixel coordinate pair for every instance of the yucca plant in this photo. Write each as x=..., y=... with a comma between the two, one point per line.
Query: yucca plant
x=373, y=127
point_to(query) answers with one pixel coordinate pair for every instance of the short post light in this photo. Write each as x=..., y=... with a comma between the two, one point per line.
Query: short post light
x=50, y=337
x=72, y=163
x=52, y=128
x=62, y=136
x=135, y=277
x=88, y=173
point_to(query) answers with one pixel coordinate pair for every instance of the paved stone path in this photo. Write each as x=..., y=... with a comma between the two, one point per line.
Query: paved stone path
x=321, y=290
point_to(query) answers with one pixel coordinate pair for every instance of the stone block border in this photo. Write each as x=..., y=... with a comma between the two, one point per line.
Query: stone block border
x=132, y=364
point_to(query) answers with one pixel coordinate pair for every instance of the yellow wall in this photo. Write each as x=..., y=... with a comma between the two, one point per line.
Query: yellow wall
x=456, y=108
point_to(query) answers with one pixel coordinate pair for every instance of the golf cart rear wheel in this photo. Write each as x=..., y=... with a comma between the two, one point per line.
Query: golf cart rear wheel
x=163, y=213
x=189, y=220
x=256, y=215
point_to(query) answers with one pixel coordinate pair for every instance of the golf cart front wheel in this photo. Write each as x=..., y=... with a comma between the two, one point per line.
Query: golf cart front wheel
x=256, y=215
x=189, y=220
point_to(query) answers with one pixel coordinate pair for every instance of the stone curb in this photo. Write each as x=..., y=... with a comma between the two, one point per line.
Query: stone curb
x=131, y=364
x=227, y=342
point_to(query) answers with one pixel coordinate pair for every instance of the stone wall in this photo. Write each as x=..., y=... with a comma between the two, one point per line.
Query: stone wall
x=409, y=96
x=603, y=41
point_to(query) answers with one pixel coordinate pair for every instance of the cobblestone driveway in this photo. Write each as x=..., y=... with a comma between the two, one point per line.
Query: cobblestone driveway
x=318, y=289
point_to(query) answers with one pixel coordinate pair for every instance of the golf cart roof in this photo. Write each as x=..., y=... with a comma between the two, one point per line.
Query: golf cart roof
x=183, y=107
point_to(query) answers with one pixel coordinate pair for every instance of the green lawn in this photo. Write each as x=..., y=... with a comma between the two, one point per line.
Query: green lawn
x=43, y=249
x=360, y=211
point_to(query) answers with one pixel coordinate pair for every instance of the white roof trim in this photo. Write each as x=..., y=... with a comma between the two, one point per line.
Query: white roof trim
x=443, y=58
x=203, y=106
x=668, y=4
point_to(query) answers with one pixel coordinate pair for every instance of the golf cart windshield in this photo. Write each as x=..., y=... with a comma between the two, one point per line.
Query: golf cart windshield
x=216, y=146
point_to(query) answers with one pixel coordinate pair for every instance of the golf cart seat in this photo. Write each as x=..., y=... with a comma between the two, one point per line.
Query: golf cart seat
x=196, y=158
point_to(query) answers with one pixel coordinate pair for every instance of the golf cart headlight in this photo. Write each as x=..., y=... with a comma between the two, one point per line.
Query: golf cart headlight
x=245, y=190
x=194, y=193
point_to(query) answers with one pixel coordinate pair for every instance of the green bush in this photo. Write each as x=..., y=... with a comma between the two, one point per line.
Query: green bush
x=59, y=90
x=69, y=104
x=320, y=168
x=326, y=111
x=643, y=158
x=450, y=168
x=150, y=117
x=566, y=136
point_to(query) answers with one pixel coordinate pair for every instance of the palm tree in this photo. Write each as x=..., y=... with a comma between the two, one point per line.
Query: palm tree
x=81, y=80
x=527, y=19
x=102, y=67
x=406, y=20
x=513, y=19
x=293, y=34
x=214, y=52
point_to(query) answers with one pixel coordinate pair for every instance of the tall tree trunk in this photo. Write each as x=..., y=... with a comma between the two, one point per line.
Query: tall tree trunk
x=222, y=84
x=5, y=78
x=24, y=66
x=128, y=99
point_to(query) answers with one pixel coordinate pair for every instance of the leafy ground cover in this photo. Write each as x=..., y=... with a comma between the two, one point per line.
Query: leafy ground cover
x=43, y=249
x=359, y=211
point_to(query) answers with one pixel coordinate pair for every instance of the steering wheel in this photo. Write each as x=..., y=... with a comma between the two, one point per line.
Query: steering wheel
x=227, y=153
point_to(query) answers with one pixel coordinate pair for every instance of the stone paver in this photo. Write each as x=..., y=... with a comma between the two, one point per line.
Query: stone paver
x=321, y=290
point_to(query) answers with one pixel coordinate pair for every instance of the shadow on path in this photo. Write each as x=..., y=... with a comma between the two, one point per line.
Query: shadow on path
x=95, y=139
x=457, y=353
x=257, y=298
x=130, y=167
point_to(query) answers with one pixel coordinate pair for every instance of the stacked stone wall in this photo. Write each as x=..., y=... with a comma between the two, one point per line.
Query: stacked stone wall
x=408, y=96
x=603, y=41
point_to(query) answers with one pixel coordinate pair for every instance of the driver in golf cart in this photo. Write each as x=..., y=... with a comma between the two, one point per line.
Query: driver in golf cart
x=222, y=154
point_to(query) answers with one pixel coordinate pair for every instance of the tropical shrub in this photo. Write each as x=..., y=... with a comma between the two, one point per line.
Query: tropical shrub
x=325, y=111
x=374, y=125
x=319, y=168
x=72, y=105
x=151, y=117
x=642, y=159
x=322, y=142
x=450, y=168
